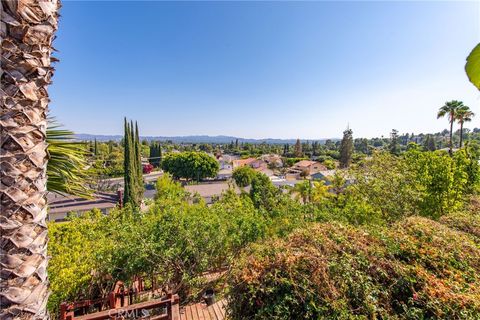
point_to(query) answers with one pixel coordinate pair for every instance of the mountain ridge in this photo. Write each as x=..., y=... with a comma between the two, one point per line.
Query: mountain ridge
x=197, y=139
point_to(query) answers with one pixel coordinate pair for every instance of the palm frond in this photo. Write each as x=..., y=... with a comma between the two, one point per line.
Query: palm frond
x=67, y=164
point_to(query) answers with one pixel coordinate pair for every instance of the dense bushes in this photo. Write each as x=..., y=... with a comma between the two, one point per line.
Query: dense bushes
x=430, y=184
x=420, y=269
x=175, y=239
x=394, y=266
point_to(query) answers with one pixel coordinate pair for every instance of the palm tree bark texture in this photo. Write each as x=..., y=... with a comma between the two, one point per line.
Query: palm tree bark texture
x=27, y=29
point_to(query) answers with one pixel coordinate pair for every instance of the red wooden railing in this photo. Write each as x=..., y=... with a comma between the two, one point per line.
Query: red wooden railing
x=164, y=308
x=119, y=297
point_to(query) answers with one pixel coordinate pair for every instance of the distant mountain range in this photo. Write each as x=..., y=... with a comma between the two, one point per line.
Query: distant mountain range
x=194, y=139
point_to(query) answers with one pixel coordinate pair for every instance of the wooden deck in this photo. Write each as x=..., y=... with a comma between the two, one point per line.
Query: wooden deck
x=200, y=311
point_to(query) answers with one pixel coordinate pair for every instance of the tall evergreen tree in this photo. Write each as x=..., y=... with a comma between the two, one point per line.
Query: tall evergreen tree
x=429, y=143
x=95, y=147
x=138, y=153
x=394, y=147
x=346, y=148
x=133, y=179
x=155, y=153
x=127, y=177
x=159, y=153
x=298, y=149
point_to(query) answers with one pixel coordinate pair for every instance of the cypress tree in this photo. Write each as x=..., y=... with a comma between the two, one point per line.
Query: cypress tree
x=159, y=152
x=153, y=153
x=126, y=164
x=346, y=149
x=133, y=190
x=138, y=150
x=95, y=148
x=298, y=149
x=393, y=146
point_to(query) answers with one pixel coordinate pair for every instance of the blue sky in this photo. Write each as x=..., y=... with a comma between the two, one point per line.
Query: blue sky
x=262, y=69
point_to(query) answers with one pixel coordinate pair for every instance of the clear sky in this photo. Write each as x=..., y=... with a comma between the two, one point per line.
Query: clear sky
x=263, y=69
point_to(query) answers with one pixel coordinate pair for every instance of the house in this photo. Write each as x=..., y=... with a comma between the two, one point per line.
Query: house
x=242, y=162
x=273, y=160
x=258, y=165
x=265, y=171
x=304, y=168
x=324, y=176
x=308, y=166
x=253, y=163
x=225, y=162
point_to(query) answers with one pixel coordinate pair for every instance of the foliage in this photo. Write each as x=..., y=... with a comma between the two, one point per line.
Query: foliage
x=156, y=153
x=332, y=270
x=472, y=66
x=190, y=165
x=424, y=183
x=133, y=173
x=73, y=248
x=420, y=269
x=263, y=193
x=67, y=165
x=167, y=189
x=176, y=240
x=394, y=147
x=243, y=176
x=450, y=109
x=429, y=143
x=298, y=149
x=464, y=114
x=346, y=149
x=329, y=164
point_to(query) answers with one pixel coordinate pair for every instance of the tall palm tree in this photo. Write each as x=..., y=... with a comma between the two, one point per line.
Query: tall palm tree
x=27, y=30
x=464, y=114
x=450, y=109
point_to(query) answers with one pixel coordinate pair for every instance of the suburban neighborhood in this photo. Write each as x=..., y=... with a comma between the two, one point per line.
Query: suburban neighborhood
x=210, y=189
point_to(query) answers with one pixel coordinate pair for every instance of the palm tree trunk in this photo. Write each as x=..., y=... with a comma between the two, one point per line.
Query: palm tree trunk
x=451, y=136
x=461, y=133
x=27, y=30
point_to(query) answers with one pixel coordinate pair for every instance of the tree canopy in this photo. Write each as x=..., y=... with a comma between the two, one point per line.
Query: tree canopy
x=190, y=165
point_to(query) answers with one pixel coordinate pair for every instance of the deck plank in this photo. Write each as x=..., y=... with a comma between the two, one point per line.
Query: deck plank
x=176, y=312
x=200, y=308
x=216, y=309
x=211, y=313
x=199, y=311
x=206, y=314
x=222, y=307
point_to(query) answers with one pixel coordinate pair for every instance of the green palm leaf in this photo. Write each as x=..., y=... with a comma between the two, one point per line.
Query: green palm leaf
x=67, y=164
x=473, y=66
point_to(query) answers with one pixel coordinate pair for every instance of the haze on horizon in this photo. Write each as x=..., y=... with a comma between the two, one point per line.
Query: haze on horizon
x=263, y=69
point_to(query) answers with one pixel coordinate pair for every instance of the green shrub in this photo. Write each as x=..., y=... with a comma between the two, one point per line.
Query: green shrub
x=416, y=183
x=243, y=176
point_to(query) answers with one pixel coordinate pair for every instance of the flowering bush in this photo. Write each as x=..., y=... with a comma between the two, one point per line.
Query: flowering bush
x=417, y=269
